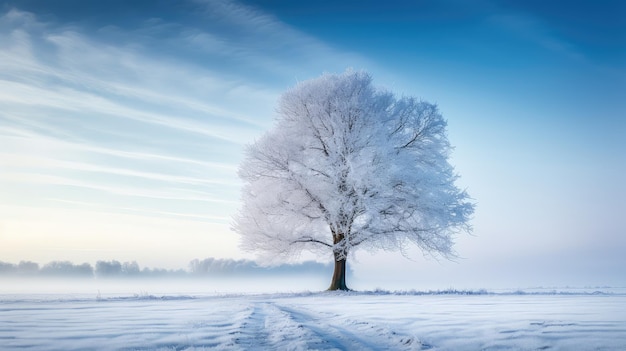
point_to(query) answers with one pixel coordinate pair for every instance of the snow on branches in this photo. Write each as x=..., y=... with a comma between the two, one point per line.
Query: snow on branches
x=346, y=166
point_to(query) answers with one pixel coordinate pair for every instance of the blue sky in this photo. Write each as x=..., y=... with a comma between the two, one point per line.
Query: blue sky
x=122, y=125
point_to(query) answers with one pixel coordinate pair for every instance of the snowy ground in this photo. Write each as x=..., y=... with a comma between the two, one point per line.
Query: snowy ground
x=315, y=321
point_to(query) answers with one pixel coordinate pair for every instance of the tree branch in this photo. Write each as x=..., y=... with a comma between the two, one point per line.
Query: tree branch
x=311, y=240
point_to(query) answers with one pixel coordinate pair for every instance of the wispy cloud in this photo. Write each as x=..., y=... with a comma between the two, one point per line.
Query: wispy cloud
x=141, y=211
x=144, y=118
x=186, y=115
x=79, y=112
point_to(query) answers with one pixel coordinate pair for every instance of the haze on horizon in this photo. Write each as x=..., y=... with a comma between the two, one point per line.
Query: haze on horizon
x=122, y=126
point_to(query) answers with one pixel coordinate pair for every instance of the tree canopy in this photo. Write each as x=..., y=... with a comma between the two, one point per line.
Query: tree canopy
x=350, y=166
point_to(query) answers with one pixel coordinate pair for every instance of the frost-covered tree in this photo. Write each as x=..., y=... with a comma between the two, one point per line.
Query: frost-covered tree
x=350, y=166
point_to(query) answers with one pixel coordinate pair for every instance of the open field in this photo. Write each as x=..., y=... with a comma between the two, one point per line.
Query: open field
x=316, y=321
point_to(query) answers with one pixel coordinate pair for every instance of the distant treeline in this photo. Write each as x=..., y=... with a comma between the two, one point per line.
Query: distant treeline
x=197, y=268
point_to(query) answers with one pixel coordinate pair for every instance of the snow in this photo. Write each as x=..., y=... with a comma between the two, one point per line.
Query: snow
x=476, y=320
x=350, y=166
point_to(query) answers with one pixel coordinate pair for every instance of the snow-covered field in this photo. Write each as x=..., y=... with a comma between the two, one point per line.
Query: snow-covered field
x=316, y=321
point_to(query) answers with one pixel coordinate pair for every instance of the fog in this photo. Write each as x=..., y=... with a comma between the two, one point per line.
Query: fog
x=161, y=286
x=202, y=277
x=196, y=268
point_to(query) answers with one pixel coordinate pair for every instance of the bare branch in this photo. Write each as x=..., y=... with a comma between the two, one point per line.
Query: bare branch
x=311, y=240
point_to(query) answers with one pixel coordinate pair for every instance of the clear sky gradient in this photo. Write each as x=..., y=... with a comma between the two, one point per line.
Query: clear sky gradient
x=122, y=124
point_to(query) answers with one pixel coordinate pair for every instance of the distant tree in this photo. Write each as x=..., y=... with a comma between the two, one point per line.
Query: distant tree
x=349, y=166
x=229, y=267
x=27, y=268
x=84, y=269
x=108, y=269
x=66, y=268
x=216, y=266
x=130, y=268
x=7, y=268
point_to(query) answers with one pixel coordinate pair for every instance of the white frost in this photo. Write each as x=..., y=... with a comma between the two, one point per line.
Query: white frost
x=349, y=166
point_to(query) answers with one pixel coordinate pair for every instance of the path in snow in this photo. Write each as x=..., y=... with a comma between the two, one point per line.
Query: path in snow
x=273, y=326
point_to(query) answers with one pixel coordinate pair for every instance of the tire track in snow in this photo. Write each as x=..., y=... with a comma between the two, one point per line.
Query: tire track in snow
x=252, y=334
x=331, y=333
x=269, y=328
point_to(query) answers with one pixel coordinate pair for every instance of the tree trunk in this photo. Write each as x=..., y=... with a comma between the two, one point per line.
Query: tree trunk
x=339, y=276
